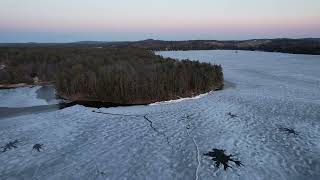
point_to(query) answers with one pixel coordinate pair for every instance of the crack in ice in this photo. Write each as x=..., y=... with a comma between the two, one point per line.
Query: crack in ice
x=131, y=115
x=151, y=123
x=188, y=126
x=198, y=153
x=161, y=133
x=144, y=116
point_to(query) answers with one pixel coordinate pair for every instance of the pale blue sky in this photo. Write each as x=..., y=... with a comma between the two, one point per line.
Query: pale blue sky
x=74, y=20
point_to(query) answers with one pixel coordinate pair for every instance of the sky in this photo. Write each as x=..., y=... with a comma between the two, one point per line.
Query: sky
x=122, y=20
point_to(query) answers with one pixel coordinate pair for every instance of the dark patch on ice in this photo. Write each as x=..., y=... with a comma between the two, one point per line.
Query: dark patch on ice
x=10, y=145
x=37, y=147
x=288, y=131
x=232, y=115
x=229, y=84
x=220, y=157
x=66, y=105
x=47, y=93
x=6, y=112
x=99, y=104
x=101, y=173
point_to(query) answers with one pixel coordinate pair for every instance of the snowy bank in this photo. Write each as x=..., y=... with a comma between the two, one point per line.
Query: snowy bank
x=180, y=99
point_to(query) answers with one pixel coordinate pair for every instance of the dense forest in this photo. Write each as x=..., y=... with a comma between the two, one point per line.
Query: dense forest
x=115, y=75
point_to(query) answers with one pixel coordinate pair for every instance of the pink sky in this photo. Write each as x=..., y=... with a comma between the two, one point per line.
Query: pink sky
x=203, y=19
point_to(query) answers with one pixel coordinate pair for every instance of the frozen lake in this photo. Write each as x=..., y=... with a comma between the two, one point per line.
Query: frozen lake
x=268, y=117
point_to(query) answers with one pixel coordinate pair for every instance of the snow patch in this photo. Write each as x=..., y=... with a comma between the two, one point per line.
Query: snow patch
x=180, y=100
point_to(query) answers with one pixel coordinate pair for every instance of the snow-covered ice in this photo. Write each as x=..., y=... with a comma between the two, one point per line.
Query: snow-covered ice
x=265, y=92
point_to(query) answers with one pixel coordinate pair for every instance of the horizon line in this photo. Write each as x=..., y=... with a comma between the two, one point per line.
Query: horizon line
x=152, y=39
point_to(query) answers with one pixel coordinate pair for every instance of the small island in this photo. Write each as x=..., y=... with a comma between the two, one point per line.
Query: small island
x=121, y=76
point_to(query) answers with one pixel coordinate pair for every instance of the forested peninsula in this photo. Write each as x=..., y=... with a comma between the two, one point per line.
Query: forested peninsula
x=112, y=75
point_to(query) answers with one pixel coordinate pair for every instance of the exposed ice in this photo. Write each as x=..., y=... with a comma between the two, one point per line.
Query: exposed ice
x=26, y=97
x=266, y=93
x=20, y=97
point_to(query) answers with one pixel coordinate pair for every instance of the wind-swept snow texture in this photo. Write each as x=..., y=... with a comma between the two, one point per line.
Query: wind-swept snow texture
x=265, y=94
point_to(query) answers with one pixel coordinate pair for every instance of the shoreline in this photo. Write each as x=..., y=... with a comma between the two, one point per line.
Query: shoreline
x=14, y=86
x=104, y=104
x=101, y=104
x=22, y=85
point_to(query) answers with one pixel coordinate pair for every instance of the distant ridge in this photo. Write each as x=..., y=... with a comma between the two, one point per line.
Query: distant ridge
x=285, y=45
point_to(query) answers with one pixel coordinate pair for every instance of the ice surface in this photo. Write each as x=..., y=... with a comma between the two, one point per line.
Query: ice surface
x=266, y=92
x=26, y=97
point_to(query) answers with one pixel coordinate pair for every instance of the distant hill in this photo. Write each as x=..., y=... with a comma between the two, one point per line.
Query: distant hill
x=294, y=46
